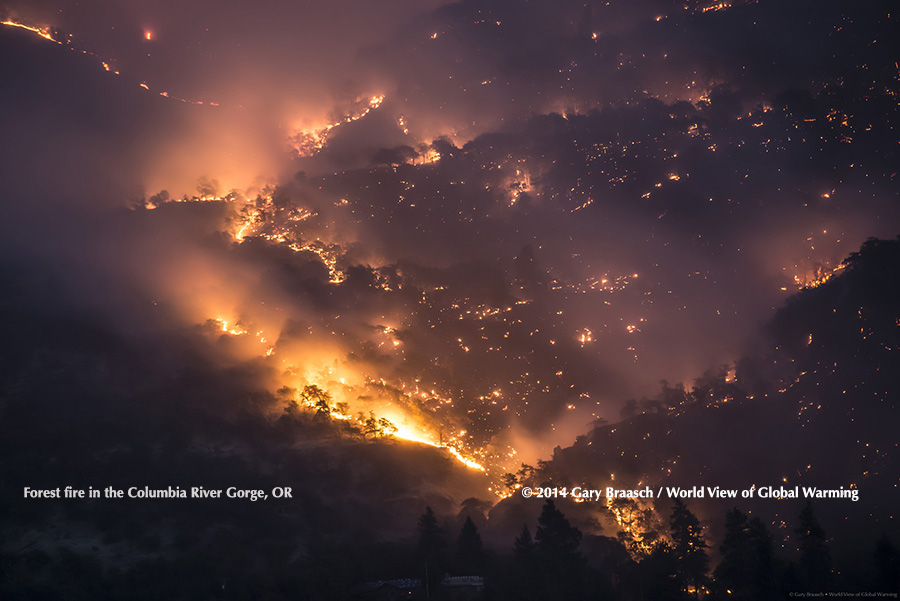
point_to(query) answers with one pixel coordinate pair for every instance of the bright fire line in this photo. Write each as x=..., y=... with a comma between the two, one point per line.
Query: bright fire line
x=406, y=433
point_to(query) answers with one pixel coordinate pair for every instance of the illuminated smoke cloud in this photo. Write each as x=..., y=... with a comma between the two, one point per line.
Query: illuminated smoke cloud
x=491, y=237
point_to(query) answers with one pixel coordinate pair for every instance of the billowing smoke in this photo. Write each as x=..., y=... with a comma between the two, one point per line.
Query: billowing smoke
x=488, y=236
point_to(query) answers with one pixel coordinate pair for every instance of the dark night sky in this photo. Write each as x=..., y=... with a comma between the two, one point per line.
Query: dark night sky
x=517, y=216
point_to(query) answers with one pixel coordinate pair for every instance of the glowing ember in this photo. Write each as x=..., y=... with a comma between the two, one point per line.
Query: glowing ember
x=584, y=336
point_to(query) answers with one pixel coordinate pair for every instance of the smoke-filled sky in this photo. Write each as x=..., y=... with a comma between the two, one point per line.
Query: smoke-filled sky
x=489, y=222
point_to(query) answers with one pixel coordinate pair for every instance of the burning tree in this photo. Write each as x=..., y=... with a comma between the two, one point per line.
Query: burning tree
x=318, y=399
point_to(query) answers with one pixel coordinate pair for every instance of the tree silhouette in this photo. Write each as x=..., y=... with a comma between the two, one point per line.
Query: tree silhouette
x=386, y=427
x=368, y=425
x=524, y=574
x=556, y=537
x=431, y=535
x=292, y=409
x=746, y=568
x=660, y=576
x=431, y=548
x=629, y=409
x=469, y=550
x=316, y=398
x=556, y=551
x=509, y=481
x=815, y=560
x=523, y=548
x=525, y=473
x=639, y=526
x=689, y=548
x=376, y=427
x=397, y=155
x=887, y=565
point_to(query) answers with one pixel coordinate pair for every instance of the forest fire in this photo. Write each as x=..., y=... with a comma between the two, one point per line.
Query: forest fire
x=411, y=434
x=818, y=276
x=308, y=142
x=421, y=264
x=377, y=423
